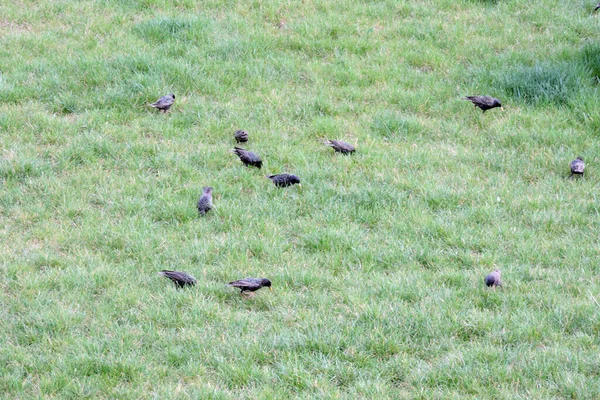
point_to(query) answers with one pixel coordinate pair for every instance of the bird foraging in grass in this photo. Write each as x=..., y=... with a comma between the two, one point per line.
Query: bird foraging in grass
x=164, y=103
x=250, y=284
x=180, y=279
x=577, y=166
x=597, y=7
x=240, y=136
x=248, y=157
x=205, y=202
x=341, y=147
x=284, y=180
x=493, y=279
x=484, y=102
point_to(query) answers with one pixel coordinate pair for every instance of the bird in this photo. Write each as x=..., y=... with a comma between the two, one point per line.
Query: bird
x=240, y=136
x=597, y=7
x=493, y=279
x=180, y=279
x=341, y=147
x=164, y=103
x=205, y=202
x=577, y=166
x=284, y=180
x=248, y=157
x=484, y=102
x=250, y=284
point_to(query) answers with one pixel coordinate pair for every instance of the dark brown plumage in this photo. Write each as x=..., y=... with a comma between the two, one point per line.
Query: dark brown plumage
x=341, y=147
x=577, y=166
x=205, y=203
x=248, y=157
x=493, y=279
x=180, y=279
x=164, y=103
x=484, y=102
x=250, y=284
x=284, y=180
x=240, y=136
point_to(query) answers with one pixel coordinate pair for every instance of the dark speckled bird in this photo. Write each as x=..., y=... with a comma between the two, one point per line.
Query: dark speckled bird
x=341, y=147
x=493, y=279
x=205, y=202
x=180, y=279
x=248, y=157
x=250, y=284
x=283, y=180
x=577, y=166
x=240, y=136
x=597, y=7
x=484, y=102
x=164, y=103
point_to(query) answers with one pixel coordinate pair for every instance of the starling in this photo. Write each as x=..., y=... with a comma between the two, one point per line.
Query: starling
x=484, y=102
x=577, y=166
x=205, y=202
x=164, y=103
x=597, y=7
x=251, y=284
x=180, y=279
x=283, y=180
x=341, y=147
x=248, y=157
x=240, y=136
x=493, y=279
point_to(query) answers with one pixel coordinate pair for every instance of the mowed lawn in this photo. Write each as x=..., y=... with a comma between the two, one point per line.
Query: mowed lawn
x=377, y=261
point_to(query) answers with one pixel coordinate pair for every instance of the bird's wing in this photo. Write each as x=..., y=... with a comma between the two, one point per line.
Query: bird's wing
x=164, y=101
x=246, y=282
x=345, y=146
x=246, y=156
x=252, y=157
x=487, y=100
x=178, y=276
x=337, y=145
x=480, y=100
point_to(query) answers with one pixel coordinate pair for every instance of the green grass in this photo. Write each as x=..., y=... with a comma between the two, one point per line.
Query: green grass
x=377, y=261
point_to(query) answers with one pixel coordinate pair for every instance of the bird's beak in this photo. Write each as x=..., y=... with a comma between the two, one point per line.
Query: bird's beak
x=502, y=108
x=270, y=288
x=299, y=185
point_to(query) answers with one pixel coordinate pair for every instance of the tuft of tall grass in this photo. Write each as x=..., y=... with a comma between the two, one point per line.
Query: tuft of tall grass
x=589, y=58
x=542, y=83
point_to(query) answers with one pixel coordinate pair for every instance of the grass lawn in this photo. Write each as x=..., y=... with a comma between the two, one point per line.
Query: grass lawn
x=377, y=261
